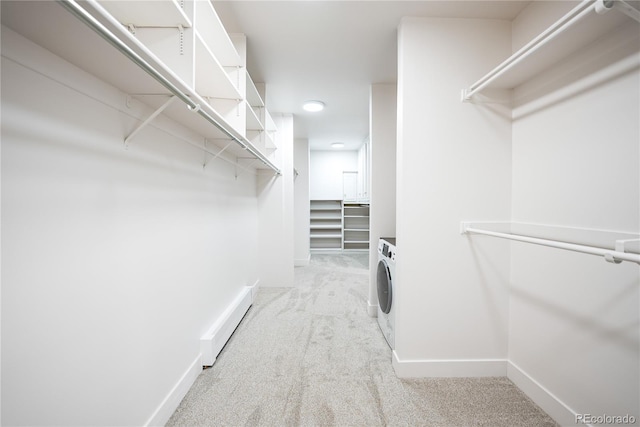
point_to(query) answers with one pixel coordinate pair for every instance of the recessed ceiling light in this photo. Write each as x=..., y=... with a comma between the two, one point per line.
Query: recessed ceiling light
x=337, y=145
x=313, y=106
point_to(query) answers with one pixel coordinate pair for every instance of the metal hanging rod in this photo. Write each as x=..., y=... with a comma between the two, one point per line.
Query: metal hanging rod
x=614, y=256
x=194, y=102
x=572, y=17
x=603, y=6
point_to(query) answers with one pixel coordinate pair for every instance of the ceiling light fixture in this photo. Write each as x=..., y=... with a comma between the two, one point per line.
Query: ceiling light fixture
x=337, y=145
x=313, y=106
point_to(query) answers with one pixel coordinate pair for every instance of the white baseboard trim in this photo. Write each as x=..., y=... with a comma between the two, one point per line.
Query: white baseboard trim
x=302, y=262
x=175, y=396
x=372, y=309
x=212, y=342
x=254, y=290
x=449, y=368
x=558, y=410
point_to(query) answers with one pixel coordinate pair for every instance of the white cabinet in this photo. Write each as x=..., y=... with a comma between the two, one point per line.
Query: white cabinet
x=350, y=185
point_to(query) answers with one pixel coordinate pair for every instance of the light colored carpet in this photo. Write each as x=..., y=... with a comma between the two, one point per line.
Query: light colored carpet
x=310, y=355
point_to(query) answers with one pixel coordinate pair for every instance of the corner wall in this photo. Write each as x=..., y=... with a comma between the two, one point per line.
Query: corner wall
x=382, y=214
x=453, y=164
x=301, y=202
x=275, y=212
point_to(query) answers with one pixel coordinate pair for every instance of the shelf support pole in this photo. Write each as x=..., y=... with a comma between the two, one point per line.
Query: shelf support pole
x=148, y=120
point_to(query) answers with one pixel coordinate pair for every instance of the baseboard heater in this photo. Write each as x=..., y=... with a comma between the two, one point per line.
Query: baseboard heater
x=214, y=340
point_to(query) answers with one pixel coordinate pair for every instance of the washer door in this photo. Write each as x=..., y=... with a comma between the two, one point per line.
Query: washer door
x=385, y=287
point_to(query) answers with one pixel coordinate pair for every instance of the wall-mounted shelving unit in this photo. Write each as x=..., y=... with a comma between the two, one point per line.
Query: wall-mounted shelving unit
x=166, y=13
x=580, y=27
x=326, y=225
x=260, y=126
x=338, y=225
x=152, y=50
x=356, y=226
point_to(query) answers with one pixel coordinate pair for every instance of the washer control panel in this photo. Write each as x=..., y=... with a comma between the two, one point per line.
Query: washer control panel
x=387, y=249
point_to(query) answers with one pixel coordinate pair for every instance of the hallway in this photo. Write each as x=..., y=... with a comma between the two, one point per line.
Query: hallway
x=310, y=355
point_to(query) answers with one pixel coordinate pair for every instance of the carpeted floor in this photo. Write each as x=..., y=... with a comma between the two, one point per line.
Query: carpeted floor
x=310, y=355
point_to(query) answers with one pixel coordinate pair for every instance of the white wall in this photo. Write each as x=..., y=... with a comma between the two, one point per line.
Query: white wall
x=453, y=164
x=574, y=318
x=115, y=261
x=364, y=171
x=382, y=211
x=565, y=325
x=325, y=173
x=301, y=202
x=275, y=207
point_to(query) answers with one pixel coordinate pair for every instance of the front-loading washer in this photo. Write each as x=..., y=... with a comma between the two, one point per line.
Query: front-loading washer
x=385, y=284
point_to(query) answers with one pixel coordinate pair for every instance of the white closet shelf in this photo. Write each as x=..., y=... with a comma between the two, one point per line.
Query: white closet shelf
x=253, y=121
x=253, y=96
x=150, y=13
x=356, y=225
x=215, y=36
x=211, y=79
x=122, y=61
x=40, y=22
x=574, y=31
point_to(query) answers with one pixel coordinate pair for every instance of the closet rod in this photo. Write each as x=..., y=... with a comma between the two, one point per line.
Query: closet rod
x=573, y=16
x=609, y=255
x=193, y=101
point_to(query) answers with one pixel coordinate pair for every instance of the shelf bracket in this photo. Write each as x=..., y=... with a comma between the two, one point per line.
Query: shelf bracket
x=148, y=120
x=464, y=97
x=216, y=155
x=245, y=168
x=621, y=246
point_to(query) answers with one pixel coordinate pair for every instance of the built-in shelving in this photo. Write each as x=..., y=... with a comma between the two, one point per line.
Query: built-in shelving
x=166, y=13
x=211, y=78
x=338, y=225
x=210, y=28
x=254, y=106
x=261, y=128
x=575, y=30
x=326, y=225
x=356, y=226
x=151, y=50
